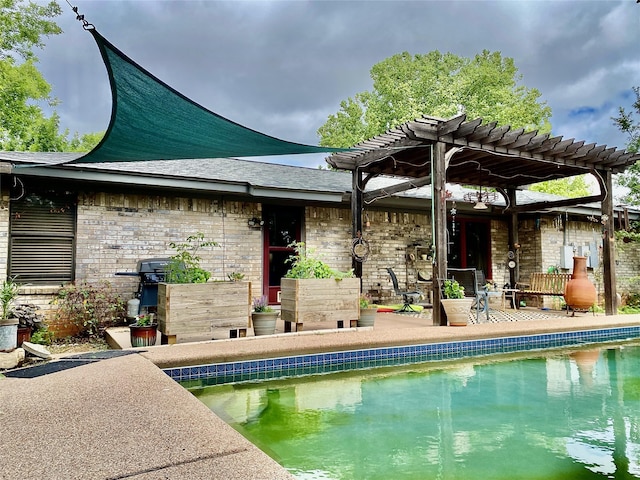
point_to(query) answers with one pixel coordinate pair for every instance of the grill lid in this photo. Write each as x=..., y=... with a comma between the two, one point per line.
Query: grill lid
x=153, y=265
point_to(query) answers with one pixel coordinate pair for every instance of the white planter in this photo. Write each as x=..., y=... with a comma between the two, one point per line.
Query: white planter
x=8, y=335
x=457, y=310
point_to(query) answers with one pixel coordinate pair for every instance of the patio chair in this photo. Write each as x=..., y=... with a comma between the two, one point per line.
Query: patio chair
x=468, y=279
x=409, y=298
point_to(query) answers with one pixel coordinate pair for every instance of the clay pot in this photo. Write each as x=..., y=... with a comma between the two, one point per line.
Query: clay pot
x=580, y=293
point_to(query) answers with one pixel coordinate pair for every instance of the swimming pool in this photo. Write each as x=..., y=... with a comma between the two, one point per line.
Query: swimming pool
x=554, y=414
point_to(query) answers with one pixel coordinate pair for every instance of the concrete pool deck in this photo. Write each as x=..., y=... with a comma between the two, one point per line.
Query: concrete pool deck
x=123, y=418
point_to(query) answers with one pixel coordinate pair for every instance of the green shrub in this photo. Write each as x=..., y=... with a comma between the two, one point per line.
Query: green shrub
x=184, y=265
x=92, y=308
x=306, y=263
x=42, y=336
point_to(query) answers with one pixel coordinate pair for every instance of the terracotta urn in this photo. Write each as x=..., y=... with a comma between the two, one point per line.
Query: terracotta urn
x=580, y=293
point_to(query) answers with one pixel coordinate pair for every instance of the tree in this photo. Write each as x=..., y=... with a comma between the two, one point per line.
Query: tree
x=627, y=124
x=23, y=126
x=570, y=187
x=406, y=87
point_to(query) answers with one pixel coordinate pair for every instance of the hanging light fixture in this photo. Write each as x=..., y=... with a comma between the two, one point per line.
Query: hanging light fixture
x=480, y=199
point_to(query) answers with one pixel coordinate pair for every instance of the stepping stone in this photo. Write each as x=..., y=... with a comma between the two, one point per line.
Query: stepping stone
x=37, y=350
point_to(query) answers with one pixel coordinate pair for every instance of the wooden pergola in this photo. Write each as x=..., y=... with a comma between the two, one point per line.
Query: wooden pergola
x=435, y=151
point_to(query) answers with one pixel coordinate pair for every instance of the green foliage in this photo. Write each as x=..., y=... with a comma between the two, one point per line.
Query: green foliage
x=570, y=187
x=235, y=276
x=184, y=266
x=144, y=320
x=8, y=293
x=42, y=336
x=626, y=123
x=84, y=143
x=306, y=263
x=406, y=87
x=452, y=289
x=92, y=308
x=365, y=301
x=23, y=125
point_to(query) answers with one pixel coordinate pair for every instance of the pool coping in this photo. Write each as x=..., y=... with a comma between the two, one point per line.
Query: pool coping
x=345, y=360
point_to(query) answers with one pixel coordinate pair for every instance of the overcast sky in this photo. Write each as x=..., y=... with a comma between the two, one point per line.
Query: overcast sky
x=282, y=67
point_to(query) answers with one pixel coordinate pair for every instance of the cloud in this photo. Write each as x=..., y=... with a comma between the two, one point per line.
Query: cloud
x=281, y=67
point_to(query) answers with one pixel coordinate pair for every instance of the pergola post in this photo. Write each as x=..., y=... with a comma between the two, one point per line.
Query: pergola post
x=440, y=227
x=514, y=273
x=357, y=189
x=608, y=247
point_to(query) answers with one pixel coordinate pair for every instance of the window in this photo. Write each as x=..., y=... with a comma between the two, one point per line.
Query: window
x=42, y=235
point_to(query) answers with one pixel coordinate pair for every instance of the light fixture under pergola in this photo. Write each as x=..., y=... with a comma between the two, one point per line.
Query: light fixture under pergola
x=481, y=199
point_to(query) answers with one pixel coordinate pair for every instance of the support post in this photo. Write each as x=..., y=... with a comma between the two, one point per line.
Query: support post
x=356, y=216
x=514, y=273
x=608, y=247
x=439, y=199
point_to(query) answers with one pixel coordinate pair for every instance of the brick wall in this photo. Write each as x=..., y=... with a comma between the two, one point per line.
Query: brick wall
x=114, y=231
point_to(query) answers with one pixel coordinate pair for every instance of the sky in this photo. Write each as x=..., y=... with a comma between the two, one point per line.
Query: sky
x=282, y=67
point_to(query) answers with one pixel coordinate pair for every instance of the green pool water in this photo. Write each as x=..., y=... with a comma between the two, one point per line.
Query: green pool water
x=569, y=415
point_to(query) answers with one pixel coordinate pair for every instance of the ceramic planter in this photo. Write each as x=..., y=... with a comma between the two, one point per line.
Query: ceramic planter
x=580, y=293
x=264, y=323
x=367, y=316
x=457, y=310
x=313, y=300
x=143, y=335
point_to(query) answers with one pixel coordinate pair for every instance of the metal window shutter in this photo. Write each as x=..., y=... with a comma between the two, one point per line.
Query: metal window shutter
x=42, y=242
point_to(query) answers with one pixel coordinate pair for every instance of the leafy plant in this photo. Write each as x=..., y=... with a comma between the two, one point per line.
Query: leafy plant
x=28, y=316
x=184, y=266
x=42, y=336
x=365, y=301
x=452, y=289
x=144, y=320
x=235, y=276
x=307, y=264
x=261, y=305
x=8, y=294
x=92, y=308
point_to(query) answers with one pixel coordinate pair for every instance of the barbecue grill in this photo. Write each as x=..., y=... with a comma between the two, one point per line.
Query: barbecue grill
x=150, y=271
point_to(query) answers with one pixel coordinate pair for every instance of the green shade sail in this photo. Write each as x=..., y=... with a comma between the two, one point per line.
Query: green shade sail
x=152, y=121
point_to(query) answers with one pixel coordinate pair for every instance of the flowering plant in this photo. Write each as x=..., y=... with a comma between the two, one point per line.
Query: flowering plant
x=261, y=304
x=144, y=320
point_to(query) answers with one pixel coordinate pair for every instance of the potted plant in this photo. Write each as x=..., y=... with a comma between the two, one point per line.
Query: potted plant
x=144, y=331
x=263, y=317
x=368, y=312
x=190, y=303
x=311, y=291
x=8, y=323
x=29, y=320
x=456, y=305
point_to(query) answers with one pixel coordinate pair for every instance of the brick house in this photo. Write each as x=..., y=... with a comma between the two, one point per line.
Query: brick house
x=64, y=223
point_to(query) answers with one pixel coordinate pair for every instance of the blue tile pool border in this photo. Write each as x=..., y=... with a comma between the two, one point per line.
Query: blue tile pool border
x=309, y=364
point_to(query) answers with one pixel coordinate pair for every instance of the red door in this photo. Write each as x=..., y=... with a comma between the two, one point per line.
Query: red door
x=282, y=226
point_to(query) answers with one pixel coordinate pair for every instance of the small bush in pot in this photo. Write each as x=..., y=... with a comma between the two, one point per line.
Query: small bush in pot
x=455, y=304
x=144, y=331
x=368, y=312
x=263, y=317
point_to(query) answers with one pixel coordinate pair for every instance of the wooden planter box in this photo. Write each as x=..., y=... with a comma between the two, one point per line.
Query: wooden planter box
x=192, y=309
x=305, y=301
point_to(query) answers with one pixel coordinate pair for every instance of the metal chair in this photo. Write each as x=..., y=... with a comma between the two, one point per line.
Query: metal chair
x=409, y=298
x=467, y=277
